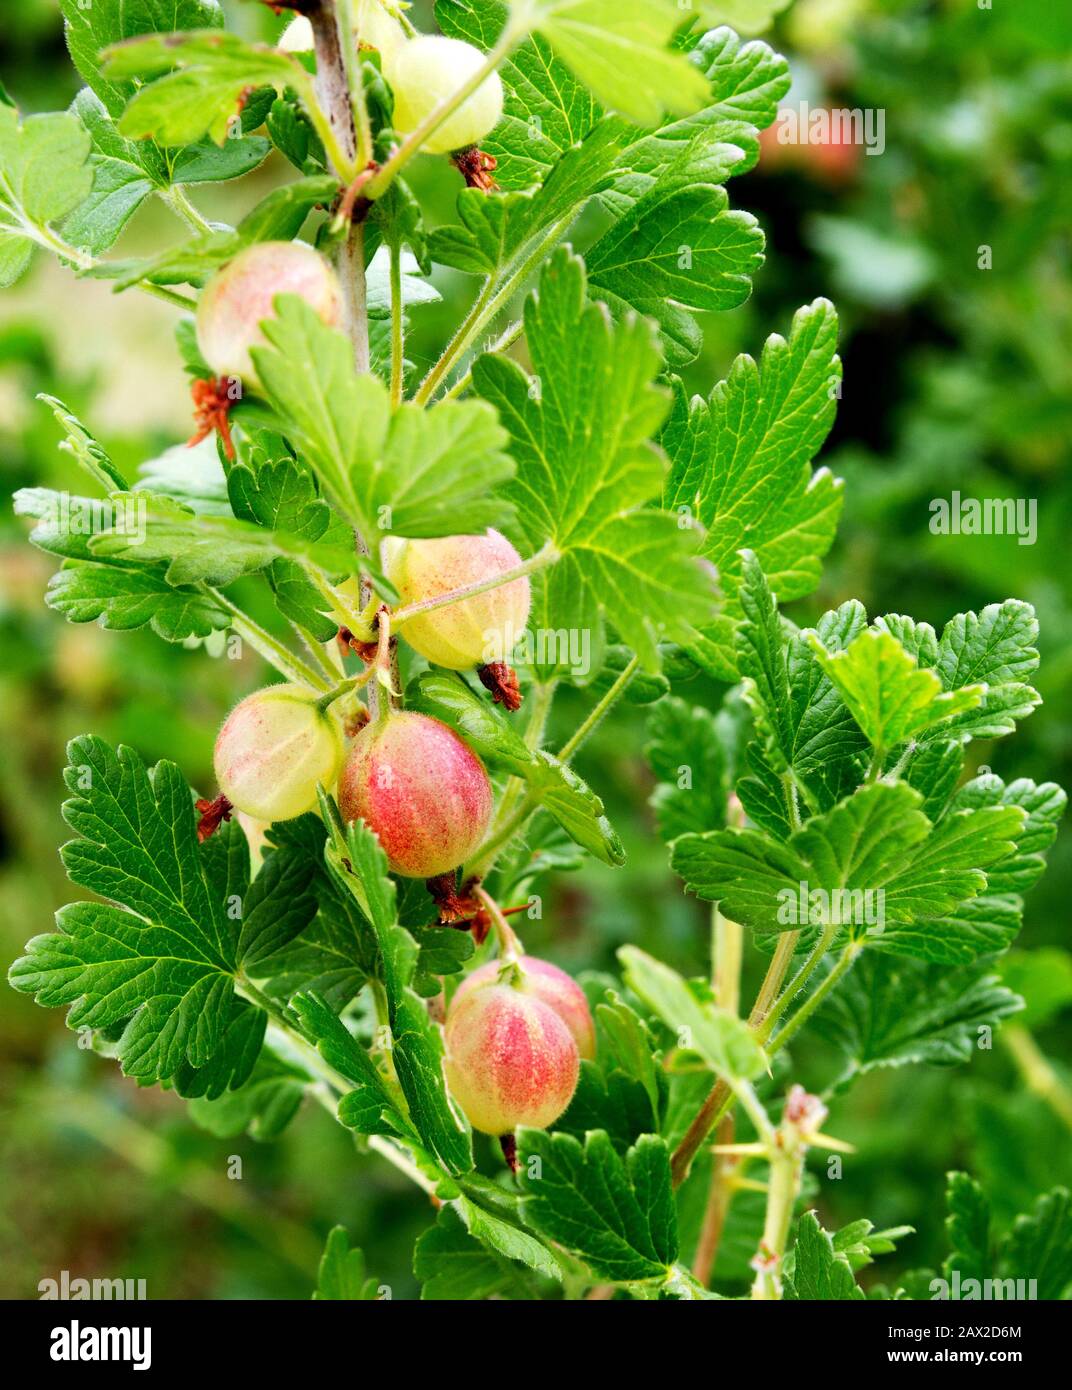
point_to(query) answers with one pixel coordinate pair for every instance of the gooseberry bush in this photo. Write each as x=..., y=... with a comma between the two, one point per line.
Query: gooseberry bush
x=338, y=917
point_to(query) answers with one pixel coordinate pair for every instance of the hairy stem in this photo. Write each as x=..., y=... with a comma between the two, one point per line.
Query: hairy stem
x=783, y=1188
x=494, y=297
x=506, y=339
x=843, y=966
x=720, y=1097
x=178, y=200
x=346, y=687
x=510, y=947
x=292, y=667
x=727, y=952
x=798, y=981
x=719, y=1197
x=598, y=712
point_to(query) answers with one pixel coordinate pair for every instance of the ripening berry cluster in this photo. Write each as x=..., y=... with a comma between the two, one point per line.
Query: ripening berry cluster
x=517, y=1028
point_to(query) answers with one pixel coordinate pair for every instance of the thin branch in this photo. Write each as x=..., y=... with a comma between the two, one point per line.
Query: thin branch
x=843, y=966
x=494, y=297
x=398, y=328
x=598, y=712
x=507, y=339
x=286, y=662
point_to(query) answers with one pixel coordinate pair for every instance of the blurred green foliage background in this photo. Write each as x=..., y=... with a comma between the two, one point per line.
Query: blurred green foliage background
x=956, y=377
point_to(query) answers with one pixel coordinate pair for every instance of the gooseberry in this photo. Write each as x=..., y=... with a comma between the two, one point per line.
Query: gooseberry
x=373, y=26
x=422, y=790
x=239, y=296
x=273, y=749
x=548, y=984
x=510, y=1059
x=426, y=71
x=474, y=630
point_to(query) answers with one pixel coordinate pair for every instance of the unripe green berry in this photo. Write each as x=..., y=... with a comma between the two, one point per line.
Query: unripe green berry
x=273, y=749
x=473, y=631
x=422, y=790
x=239, y=296
x=510, y=1059
x=429, y=69
x=548, y=984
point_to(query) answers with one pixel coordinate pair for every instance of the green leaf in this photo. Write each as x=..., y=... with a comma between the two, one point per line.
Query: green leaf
x=231, y=1065
x=576, y=807
x=748, y=80
x=808, y=734
x=723, y=1041
x=612, y=1102
x=818, y=1271
x=1039, y=1247
x=860, y=1242
x=204, y=548
x=741, y=466
x=213, y=73
x=91, y=28
x=689, y=761
x=616, y=1214
x=680, y=248
x=370, y=1108
x=629, y=1041
x=891, y=698
x=994, y=648
x=891, y=1011
x=989, y=922
x=282, y=901
x=159, y=957
x=417, y=1049
x=586, y=470
x=644, y=687
x=968, y=1224
x=619, y=49
x=452, y=1265
x=494, y=228
x=342, y=1273
x=123, y=599
x=84, y=448
x=121, y=179
x=411, y=472
x=876, y=840
x=748, y=16
x=262, y=1108
x=44, y=175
